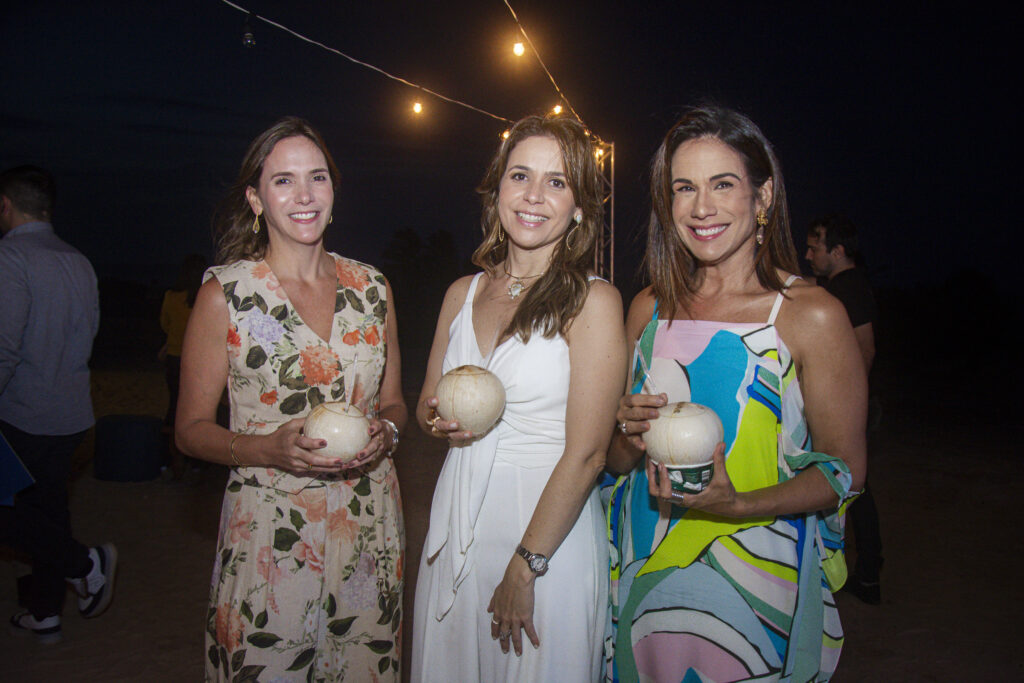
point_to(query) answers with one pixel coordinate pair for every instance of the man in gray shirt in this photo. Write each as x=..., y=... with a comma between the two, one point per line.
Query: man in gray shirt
x=49, y=315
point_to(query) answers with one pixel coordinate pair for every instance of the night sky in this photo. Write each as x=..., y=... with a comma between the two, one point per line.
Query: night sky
x=900, y=118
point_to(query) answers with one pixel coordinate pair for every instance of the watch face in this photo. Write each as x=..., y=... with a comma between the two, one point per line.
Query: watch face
x=538, y=563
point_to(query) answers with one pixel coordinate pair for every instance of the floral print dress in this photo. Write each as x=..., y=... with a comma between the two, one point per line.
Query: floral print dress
x=307, y=582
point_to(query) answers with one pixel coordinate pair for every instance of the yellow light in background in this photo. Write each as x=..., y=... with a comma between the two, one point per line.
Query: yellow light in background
x=599, y=153
x=417, y=108
x=557, y=109
x=505, y=134
x=518, y=50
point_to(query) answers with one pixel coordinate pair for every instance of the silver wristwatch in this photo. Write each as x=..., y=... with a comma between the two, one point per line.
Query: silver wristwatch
x=538, y=563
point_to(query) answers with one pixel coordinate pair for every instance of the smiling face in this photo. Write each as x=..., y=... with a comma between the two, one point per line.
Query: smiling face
x=713, y=202
x=535, y=202
x=295, y=194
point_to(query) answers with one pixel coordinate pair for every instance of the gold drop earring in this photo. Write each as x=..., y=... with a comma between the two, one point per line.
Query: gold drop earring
x=256, y=225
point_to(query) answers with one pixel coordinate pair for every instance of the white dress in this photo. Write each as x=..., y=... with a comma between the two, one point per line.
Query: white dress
x=484, y=500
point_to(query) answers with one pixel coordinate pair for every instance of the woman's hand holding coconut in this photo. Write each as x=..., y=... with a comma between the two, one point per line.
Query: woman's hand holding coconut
x=634, y=413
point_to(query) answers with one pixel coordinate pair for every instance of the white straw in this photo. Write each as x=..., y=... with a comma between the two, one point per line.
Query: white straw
x=648, y=379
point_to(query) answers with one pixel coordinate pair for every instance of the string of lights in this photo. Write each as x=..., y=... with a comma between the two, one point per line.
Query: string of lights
x=250, y=40
x=543, y=65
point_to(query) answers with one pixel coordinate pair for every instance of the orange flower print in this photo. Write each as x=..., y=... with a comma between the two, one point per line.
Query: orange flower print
x=229, y=627
x=238, y=524
x=234, y=341
x=269, y=398
x=314, y=502
x=262, y=271
x=352, y=276
x=341, y=529
x=371, y=336
x=266, y=566
x=319, y=365
x=352, y=338
x=309, y=550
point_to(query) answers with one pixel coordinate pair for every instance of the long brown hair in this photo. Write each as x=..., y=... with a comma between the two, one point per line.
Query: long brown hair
x=669, y=266
x=233, y=221
x=558, y=296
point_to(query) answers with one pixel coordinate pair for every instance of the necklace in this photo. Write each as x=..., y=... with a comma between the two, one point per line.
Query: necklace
x=517, y=286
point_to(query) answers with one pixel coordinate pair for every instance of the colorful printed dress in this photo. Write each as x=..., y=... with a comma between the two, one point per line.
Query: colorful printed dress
x=696, y=597
x=307, y=584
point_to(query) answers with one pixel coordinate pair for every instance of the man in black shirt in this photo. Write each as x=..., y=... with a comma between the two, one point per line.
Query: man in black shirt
x=833, y=253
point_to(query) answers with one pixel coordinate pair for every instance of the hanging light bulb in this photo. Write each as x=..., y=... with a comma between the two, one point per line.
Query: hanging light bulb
x=417, y=108
x=557, y=109
x=505, y=134
x=248, y=39
x=518, y=50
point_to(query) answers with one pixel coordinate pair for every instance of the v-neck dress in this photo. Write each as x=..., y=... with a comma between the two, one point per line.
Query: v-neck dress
x=485, y=497
x=701, y=598
x=307, y=583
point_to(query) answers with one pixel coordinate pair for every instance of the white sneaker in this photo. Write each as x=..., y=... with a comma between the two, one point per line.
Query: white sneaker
x=96, y=589
x=47, y=630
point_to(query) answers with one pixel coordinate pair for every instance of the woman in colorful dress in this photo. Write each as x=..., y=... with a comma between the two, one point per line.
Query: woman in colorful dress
x=516, y=549
x=728, y=584
x=307, y=583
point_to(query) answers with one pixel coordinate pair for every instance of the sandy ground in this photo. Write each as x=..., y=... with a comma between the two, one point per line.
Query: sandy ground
x=948, y=603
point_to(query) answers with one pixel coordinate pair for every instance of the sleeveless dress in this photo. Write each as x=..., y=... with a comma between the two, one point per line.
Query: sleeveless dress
x=307, y=583
x=697, y=597
x=485, y=497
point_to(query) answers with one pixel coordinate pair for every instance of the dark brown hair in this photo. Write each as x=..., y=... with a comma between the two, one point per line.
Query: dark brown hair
x=668, y=264
x=233, y=220
x=558, y=296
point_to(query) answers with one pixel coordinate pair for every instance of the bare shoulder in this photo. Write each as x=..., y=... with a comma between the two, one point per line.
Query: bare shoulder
x=211, y=297
x=641, y=310
x=810, y=314
x=603, y=297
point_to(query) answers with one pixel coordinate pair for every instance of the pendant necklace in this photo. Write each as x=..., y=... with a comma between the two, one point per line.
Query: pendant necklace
x=517, y=285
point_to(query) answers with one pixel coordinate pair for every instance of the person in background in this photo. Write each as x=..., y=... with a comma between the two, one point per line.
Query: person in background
x=833, y=250
x=49, y=316
x=513, y=580
x=174, y=314
x=733, y=582
x=307, y=581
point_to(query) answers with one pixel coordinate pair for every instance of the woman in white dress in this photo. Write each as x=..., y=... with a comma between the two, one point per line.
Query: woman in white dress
x=516, y=550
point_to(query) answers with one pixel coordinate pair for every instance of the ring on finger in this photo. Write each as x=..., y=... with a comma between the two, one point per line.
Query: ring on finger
x=432, y=422
x=505, y=634
x=494, y=620
x=677, y=496
x=309, y=465
x=622, y=428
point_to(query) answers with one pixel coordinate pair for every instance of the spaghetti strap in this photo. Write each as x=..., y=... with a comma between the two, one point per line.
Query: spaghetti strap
x=778, y=299
x=472, y=289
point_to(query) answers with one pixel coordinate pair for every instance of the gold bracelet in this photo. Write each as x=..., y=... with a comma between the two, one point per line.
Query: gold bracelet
x=231, y=448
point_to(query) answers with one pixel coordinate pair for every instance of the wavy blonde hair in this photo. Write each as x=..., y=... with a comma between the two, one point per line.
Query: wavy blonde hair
x=233, y=219
x=550, y=305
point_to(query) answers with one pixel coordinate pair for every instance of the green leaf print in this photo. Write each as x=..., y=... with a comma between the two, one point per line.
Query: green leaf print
x=261, y=619
x=284, y=539
x=237, y=659
x=363, y=487
x=246, y=612
x=263, y=639
x=279, y=312
x=229, y=294
x=293, y=405
x=286, y=379
x=372, y=295
x=394, y=664
x=260, y=303
x=338, y=388
x=380, y=311
x=212, y=655
x=381, y=279
x=315, y=396
x=225, y=557
x=235, y=486
x=256, y=357
x=224, y=661
x=332, y=605
x=249, y=674
x=297, y=521
x=303, y=660
x=380, y=646
x=354, y=301
x=383, y=664
x=354, y=507
x=340, y=627
x=339, y=302
x=246, y=304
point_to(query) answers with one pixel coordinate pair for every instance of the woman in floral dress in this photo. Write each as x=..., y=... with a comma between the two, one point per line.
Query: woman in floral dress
x=307, y=582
